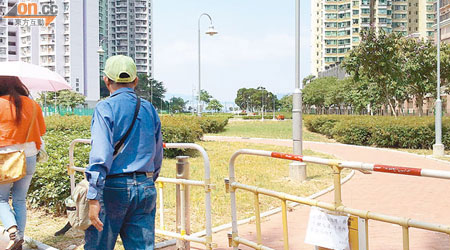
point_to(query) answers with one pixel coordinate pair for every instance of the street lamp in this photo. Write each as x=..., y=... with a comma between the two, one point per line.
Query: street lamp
x=100, y=50
x=211, y=31
x=438, y=147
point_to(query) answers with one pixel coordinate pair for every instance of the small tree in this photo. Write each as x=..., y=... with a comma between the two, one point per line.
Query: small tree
x=205, y=97
x=377, y=60
x=308, y=79
x=253, y=99
x=150, y=89
x=286, y=103
x=314, y=93
x=64, y=98
x=177, y=104
x=214, y=105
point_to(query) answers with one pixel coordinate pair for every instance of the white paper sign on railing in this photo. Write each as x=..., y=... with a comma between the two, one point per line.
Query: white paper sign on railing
x=327, y=230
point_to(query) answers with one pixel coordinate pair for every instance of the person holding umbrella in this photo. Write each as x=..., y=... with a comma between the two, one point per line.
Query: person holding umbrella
x=21, y=127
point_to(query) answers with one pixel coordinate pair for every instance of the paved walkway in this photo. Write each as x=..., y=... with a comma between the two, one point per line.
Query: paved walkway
x=424, y=199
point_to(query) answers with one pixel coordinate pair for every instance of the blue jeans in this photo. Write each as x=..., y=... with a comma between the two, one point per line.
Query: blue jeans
x=128, y=207
x=17, y=216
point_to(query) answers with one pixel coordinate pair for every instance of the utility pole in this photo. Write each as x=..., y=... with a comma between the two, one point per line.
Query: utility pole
x=297, y=170
x=273, y=97
x=438, y=147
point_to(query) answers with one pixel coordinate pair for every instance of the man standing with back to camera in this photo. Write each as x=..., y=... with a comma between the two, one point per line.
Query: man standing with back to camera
x=122, y=195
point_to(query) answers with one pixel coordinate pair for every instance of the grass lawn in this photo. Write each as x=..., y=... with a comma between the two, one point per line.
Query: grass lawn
x=268, y=129
x=265, y=172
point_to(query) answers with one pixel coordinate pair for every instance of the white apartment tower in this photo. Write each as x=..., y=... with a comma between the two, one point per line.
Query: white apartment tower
x=126, y=29
x=336, y=25
x=67, y=46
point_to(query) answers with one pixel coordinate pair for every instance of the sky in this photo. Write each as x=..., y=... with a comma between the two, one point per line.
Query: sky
x=255, y=46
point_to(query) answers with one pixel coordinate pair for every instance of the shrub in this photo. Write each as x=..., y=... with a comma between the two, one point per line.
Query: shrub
x=321, y=124
x=180, y=129
x=50, y=185
x=350, y=132
x=380, y=131
x=213, y=124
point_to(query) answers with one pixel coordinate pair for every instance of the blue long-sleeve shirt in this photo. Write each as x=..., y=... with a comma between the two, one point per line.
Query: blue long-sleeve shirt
x=142, y=150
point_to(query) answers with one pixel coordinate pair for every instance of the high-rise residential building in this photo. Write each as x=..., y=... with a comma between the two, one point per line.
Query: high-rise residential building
x=67, y=46
x=126, y=29
x=445, y=20
x=336, y=25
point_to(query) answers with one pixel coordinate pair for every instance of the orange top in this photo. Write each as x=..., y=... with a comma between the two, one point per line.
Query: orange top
x=12, y=133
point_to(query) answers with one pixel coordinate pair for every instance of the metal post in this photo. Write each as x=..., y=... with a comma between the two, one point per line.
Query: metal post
x=405, y=233
x=438, y=147
x=199, y=113
x=193, y=99
x=285, y=225
x=273, y=107
x=183, y=203
x=262, y=104
x=45, y=104
x=337, y=186
x=161, y=206
x=151, y=92
x=297, y=170
x=56, y=100
x=258, y=219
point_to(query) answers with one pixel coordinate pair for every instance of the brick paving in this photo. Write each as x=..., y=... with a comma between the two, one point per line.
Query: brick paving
x=420, y=198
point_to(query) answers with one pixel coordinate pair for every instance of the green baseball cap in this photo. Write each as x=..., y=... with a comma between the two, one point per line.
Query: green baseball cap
x=120, y=69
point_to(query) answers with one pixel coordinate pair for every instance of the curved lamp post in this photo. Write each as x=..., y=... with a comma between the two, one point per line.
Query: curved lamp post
x=211, y=31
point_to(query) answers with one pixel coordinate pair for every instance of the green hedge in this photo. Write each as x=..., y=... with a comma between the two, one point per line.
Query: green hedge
x=212, y=124
x=182, y=129
x=50, y=184
x=380, y=131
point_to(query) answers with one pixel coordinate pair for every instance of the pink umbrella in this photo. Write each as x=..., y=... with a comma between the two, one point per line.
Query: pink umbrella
x=35, y=77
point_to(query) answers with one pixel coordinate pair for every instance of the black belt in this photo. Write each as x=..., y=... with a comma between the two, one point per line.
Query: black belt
x=148, y=174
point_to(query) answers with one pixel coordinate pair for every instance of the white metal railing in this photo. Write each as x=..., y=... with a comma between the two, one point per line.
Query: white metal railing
x=206, y=183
